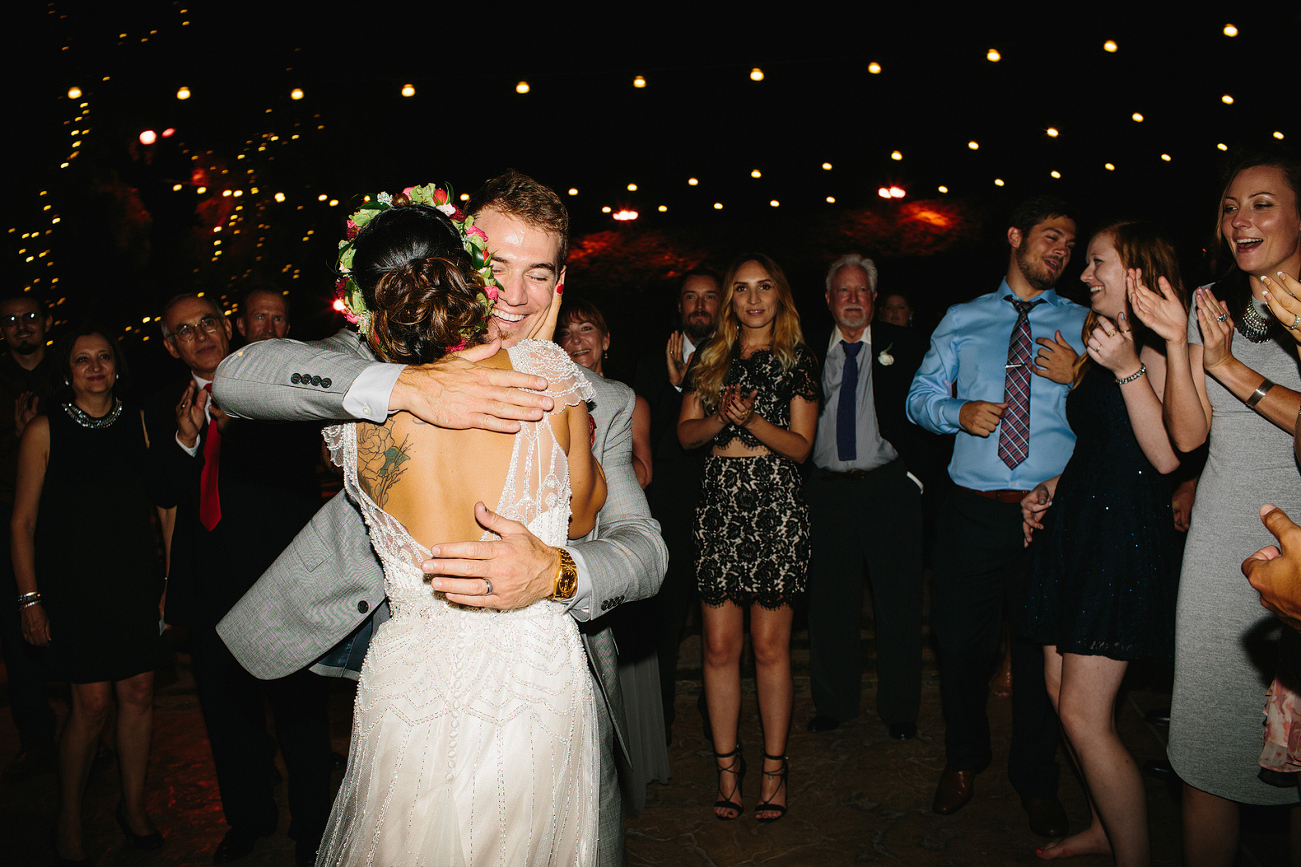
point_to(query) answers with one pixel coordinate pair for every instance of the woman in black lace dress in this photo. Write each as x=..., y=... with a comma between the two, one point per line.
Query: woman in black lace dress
x=753, y=393
x=1106, y=556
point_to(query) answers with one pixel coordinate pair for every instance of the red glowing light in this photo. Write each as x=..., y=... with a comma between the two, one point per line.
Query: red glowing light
x=338, y=305
x=896, y=193
x=169, y=132
x=883, y=193
x=148, y=137
x=625, y=215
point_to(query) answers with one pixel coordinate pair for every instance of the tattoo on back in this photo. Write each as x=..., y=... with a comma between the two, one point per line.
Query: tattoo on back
x=379, y=460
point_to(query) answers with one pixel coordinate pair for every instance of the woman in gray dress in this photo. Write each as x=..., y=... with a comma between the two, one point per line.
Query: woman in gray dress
x=1244, y=395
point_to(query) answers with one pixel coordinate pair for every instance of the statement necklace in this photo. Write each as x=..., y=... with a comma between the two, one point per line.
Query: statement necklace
x=1252, y=325
x=81, y=417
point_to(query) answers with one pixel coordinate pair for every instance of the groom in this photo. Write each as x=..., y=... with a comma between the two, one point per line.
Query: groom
x=328, y=585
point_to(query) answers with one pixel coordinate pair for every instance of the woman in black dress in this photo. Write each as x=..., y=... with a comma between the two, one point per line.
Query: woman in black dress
x=753, y=392
x=85, y=559
x=1106, y=560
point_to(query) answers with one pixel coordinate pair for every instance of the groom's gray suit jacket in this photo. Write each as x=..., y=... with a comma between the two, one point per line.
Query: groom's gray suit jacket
x=329, y=581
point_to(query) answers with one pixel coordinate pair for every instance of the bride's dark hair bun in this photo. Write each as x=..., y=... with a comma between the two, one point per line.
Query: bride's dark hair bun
x=419, y=284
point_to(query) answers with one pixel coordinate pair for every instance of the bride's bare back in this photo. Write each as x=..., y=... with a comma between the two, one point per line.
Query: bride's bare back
x=429, y=478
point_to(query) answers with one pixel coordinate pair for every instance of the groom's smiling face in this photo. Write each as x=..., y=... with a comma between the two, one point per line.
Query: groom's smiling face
x=526, y=261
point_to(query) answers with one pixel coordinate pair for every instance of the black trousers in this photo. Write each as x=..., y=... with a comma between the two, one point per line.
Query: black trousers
x=981, y=566
x=24, y=663
x=871, y=521
x=232, y=701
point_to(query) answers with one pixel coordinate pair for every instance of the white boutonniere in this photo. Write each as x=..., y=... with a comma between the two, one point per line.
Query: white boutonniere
x=885, y=357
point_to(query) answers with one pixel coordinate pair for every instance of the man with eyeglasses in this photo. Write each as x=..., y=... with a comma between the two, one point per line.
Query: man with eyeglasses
x=243, y=491
x=24, y=372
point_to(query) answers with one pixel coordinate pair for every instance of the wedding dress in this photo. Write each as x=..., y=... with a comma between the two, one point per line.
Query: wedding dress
x=474, y=736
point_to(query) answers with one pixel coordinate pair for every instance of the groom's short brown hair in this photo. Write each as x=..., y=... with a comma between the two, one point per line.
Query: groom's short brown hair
x=520, y=196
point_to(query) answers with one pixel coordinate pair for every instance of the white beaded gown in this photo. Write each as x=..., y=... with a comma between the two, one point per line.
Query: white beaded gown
x=474, y=735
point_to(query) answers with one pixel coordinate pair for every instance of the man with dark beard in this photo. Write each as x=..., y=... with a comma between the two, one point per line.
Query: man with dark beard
x=1011, y=433
x=676, y=487
x=23, y=371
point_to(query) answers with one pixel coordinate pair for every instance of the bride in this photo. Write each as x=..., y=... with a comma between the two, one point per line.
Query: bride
x=474, y=734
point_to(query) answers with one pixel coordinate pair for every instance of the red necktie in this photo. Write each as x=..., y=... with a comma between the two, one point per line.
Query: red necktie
x=1014, y=435
x=209, y=497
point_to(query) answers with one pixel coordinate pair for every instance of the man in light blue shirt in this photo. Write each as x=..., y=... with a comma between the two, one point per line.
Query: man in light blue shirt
x=979, y=381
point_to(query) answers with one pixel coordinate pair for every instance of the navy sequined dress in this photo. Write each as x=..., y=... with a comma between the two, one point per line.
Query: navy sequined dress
x=1106, y=563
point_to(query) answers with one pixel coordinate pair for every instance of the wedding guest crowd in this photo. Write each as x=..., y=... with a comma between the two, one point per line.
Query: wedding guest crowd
x=786, y=464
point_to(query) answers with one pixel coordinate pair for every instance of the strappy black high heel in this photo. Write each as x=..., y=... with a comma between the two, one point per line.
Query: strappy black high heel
x=736, y=768
x=779, y=809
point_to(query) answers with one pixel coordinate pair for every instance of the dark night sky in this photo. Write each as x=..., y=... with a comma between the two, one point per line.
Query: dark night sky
x=126, y=240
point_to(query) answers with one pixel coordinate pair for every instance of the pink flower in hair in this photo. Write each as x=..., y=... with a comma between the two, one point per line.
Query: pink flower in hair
x=475, y=231
x=407, y=192
x=458, y=347
x=491, y=291
x=440, y=196
x=352, y=229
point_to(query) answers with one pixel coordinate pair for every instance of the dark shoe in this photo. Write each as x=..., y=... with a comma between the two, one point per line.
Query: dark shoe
x=144, y=842
x=237, y=843
x=904, y=731
x=779, y=809
x=822, y=723
x=737, y=769
x=954, y=791
x=1047, y=818
x=1159, y=768
x=29, y=763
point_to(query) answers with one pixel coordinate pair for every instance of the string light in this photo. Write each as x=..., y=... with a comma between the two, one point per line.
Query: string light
x=831, y=200
x=773, y=203
x=183, y=93
x=1052, y=132
x=1136, y=117
x=883, y=192
x=296, y=93
x=942, y=188
x=998, y=182
x=755, y=173
x=1230, y=30
x=896, y=155
x=756, y=74
x=639, y=82
x=1222, y=146
x=408, y=90
x=1226, y=99
x=74, y=92
x=573, y=191
x=874, y=68
x=692, y=182
x=1165, y=157
x=663, y=208
x=1110, y=46
x=1278, y=135
x=522, y=87
x=974, y=145
x=1056, y=174
x=632, y=188
x=826, y=166
x=718, y=206
x=1110, y=167
x=993, y=56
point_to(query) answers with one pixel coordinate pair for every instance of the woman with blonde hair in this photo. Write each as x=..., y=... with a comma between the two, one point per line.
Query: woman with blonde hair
x=753, y=393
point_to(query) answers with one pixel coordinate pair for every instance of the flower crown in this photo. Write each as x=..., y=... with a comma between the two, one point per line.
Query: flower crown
x=473, y=240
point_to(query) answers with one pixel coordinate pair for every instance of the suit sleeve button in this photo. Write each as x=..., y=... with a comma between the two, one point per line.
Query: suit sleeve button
x=316, y=380
x=326, y=383
x=295, y=379
x=363, y=606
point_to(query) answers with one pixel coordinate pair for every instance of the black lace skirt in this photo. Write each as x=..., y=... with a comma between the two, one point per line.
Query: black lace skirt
x=752, y=532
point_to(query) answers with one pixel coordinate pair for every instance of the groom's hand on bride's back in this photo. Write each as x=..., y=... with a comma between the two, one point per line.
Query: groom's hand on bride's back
x=519, y=568
x=456, y=393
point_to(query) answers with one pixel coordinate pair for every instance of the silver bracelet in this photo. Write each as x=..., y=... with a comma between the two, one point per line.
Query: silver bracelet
x=27, y=600
x=1142, y=369
x=1260, y=392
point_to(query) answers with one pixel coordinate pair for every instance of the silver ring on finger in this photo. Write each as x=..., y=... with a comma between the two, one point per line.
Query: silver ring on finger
x=1222, y=317
x=1295, y=323
x=487, y=583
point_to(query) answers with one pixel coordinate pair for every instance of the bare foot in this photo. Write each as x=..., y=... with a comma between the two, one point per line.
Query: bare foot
x=1091, y=841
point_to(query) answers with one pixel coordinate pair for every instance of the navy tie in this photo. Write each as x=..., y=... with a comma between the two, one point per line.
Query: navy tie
x=846, y=417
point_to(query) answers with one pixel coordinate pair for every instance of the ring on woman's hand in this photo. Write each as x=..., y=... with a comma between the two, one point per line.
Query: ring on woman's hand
x=1111, y=333
x=1295, y=323
x=1222, y=317
x=487, y=582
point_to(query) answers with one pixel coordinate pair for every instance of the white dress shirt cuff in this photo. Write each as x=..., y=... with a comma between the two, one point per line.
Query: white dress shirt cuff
x=368, y=396
x=192, y=451
x=580, y=607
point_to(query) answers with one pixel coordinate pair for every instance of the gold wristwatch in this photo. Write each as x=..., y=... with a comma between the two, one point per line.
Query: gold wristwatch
x=566, y=577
